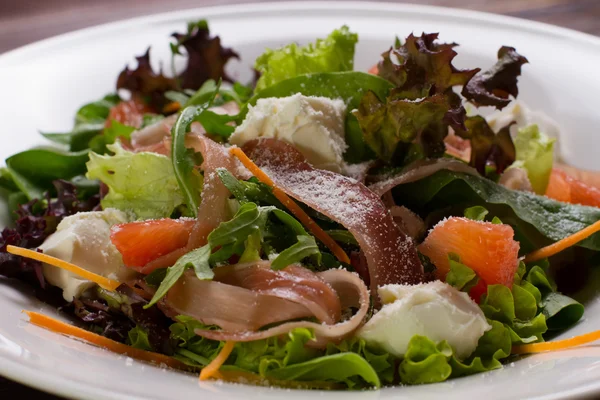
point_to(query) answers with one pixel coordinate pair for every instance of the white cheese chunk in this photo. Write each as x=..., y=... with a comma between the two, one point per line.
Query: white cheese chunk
x=314, y=125
x=84, y=240
x=435, y=310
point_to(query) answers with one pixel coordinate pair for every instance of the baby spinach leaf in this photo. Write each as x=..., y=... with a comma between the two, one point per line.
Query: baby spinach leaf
x=34, y=170
x=539, y=218
x=561, y=311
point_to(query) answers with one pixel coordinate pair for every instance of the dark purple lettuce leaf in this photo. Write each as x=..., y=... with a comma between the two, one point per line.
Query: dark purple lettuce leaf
x=421, y=67
x=486, y=145
x=36, y=220
x=206, y=57
x=143, y=82
x=494, y=86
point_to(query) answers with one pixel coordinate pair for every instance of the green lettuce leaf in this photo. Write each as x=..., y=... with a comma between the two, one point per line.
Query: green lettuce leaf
x=425, y=362
x=460, y=276
x=332, y=54
x=144, y=183
x=138, y=338
x=476, y=213
x=535, y=153
x=382, y=362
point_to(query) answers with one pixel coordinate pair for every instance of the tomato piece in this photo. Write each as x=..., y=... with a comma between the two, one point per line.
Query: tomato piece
x=130, y=112
x=144, y=241
x=564, y=188
x=488, y=249
x=374, y=70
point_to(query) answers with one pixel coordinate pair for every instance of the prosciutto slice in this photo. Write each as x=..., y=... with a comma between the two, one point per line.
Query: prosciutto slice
x=419, y=170
x=246, y=297
x=391, y=255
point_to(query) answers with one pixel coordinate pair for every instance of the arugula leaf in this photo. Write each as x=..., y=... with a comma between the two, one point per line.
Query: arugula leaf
x=248, y=191
x=144, y=183
x=538, y=218
x=138, y=338
x=198, y=259
x=33, y=171
x=305, y=247
x=217, y=124
x=117, y=130
x=249, y=219
x=349, y=86
x=155, y=277
x=493, y=87
x=252, y=248
x=188, y=178
x=535, y=153
x=332, y=54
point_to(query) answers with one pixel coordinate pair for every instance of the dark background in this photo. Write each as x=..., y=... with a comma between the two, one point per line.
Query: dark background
x=25, y=21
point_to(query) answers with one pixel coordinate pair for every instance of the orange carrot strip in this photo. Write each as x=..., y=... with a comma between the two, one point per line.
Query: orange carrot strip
x=556, y=345
x=108, y=284
x=57, y=326
x=212, y=368
x=171, y=107
x=563, y=244
x=292, y=206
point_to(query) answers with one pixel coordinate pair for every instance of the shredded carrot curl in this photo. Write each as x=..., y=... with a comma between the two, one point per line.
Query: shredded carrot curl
x=213, y=368
x=557, y=345
x=563, y=244
x=292, y=206
x=108, y=284
x=57, y=326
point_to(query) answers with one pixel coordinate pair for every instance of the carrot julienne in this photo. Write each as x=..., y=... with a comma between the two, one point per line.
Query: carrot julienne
x=105, y=283
x=563, y=244
x=292, y=206
x=171, y=107
x=57, y=326
x=213, y=368
x=556, y=345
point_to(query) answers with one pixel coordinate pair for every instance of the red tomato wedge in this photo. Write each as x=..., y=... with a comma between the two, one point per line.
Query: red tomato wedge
x=564, y=188
x=489, y=249
x=130, y=113
x=374, y=70
x=144, y=241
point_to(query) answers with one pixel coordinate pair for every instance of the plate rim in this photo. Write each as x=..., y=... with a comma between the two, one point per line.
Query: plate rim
x=46, y=381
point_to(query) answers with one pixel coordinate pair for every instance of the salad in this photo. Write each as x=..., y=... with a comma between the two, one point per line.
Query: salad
x=318, y=227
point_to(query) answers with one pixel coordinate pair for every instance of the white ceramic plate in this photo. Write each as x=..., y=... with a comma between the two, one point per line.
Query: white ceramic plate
x=43, y=85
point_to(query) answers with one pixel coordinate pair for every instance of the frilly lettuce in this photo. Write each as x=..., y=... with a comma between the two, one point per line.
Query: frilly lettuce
x=332, y=54
x=535, y=153
x=140, y=182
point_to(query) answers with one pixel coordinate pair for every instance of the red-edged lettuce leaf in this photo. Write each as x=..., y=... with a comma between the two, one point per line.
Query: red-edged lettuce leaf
x=486, y=145
x=206, y=56
x=422, y=67
x=493, y=87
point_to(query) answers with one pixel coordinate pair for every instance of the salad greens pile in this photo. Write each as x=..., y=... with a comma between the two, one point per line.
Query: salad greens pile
x=397, y=117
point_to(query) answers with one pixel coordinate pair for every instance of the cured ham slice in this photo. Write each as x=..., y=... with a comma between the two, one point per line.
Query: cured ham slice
x=246, y=297
x=391, y=255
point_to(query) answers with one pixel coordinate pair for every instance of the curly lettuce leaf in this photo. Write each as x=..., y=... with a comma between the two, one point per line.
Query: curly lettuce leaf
x=391, y=126
x=422, y=67
x=460, y=276
x=143, y=183
x=138, y=338
x=494, y=86
x=487, y=145
x=535, y=153
x=332, y=54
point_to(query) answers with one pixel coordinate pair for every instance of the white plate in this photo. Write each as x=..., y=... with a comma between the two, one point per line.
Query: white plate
x=43, y=84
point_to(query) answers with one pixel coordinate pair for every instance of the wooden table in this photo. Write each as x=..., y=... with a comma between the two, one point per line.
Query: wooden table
x=26, y=21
